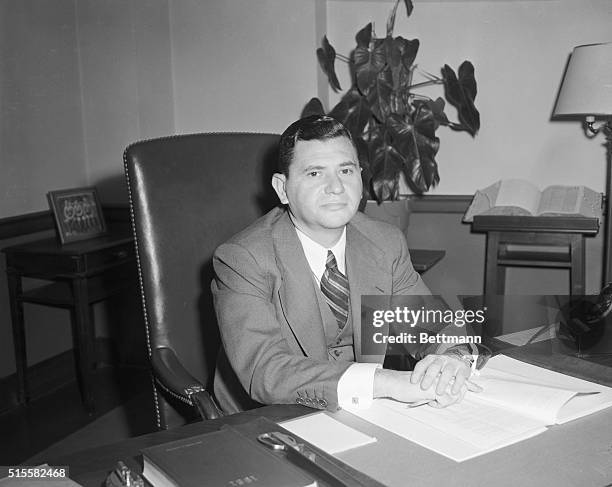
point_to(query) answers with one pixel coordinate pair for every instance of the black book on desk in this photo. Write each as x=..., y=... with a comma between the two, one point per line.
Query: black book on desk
x=223, y=458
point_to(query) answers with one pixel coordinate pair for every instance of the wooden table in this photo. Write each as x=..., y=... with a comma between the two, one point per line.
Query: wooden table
x=530, y=241
x=576, y=453
x=80, y=274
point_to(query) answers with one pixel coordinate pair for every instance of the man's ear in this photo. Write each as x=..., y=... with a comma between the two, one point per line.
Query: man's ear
x=278, y=183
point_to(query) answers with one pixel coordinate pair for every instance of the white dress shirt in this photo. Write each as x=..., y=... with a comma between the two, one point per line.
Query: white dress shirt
x=356, y=385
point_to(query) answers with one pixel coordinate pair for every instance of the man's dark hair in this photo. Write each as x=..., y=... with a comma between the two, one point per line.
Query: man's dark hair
x=313, y=127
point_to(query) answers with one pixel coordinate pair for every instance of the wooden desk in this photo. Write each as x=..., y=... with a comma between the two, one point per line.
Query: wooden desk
x=81, y=273
x=530, y=241
x=576, y=453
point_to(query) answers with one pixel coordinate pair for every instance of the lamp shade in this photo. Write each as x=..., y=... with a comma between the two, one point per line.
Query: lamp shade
x=587, y=85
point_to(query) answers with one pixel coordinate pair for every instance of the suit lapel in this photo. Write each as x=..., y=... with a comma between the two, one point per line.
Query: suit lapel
x=367, y=275
x=297, y=293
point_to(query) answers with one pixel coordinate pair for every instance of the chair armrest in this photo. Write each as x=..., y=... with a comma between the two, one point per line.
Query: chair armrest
x=173, y=377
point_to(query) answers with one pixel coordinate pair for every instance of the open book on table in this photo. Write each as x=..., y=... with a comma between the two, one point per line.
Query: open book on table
x=519, y=401
x=518, y=197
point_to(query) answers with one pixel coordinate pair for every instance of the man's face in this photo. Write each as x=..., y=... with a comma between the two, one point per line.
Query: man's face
x=324, y=186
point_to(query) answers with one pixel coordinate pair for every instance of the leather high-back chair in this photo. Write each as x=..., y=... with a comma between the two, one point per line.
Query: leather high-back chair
x=188, y=194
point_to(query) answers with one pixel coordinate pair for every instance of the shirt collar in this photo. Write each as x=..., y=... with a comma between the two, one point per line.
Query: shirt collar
x=316, y=254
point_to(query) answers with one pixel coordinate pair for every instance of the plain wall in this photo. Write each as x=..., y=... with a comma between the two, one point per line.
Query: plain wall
x=242, y=65
x=41, y=134
x=126, y=83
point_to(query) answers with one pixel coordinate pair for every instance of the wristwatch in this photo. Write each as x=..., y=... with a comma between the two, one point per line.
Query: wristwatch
x=475, y=361
x=470, y=360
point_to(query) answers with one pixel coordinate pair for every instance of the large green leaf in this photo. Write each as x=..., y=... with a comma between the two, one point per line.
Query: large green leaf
x=414, y=139
x=426, y=122
x=428, y=115
x=461, y=92
x=408, y=49
x=364, y=36
x=437, y=109
x=409, y=7
x=467, y=79
x=313, y=107
x=326, y=55
x=352, y=111
x=401, y=58
x=368, y=63
x=385, y=165
x=379, y=96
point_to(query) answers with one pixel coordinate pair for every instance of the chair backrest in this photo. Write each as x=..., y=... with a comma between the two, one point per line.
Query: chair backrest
x=188, y=194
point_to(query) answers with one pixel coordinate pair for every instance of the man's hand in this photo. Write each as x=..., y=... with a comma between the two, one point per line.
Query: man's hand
x=443, y=371
x=397, y=385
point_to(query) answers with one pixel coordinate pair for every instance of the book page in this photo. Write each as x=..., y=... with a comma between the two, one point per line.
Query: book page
x=564, y=200
x=525, y=396
x=519, y=193
x=482, y=202
x=578, y=406
x=460, y=432
x=590, y=204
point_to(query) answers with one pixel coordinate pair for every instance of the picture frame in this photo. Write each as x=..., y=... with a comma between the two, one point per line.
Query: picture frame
x=77, y=213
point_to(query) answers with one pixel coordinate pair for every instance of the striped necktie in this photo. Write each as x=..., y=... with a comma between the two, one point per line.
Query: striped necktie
x=335, y=288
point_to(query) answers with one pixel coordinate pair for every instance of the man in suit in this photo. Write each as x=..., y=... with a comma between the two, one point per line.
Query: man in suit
x=287, y=290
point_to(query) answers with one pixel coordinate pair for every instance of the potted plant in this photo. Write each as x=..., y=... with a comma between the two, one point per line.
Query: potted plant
x=394, y=127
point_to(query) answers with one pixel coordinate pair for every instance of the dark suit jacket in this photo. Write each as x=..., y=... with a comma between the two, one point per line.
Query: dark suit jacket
x=267, y=308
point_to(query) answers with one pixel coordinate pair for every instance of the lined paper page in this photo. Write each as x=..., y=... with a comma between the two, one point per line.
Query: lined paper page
x=459, y=432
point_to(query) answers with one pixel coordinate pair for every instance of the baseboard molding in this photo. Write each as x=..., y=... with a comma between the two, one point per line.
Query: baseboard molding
x=440, y=203
x=52, y=373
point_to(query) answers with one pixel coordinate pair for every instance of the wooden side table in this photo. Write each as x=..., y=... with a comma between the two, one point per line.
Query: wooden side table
x=530, y=241
x=81, y=273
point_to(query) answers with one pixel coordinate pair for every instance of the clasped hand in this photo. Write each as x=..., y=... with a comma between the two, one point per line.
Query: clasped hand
x=445, y=377
x=438, y=380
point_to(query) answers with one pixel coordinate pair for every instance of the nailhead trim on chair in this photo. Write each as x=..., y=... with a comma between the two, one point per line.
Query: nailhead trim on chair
x=180, y=397
x=156, y=402
x=138, y=263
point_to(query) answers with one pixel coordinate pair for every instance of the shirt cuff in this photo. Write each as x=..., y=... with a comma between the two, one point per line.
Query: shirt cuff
x=356, y=386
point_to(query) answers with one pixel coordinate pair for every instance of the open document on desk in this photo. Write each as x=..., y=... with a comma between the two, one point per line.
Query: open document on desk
x=519, y=401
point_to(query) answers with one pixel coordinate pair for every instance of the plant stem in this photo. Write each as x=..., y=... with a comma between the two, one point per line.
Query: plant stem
x=426, y=83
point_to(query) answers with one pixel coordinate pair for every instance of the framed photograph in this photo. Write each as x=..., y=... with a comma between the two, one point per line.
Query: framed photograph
x=77, y=213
